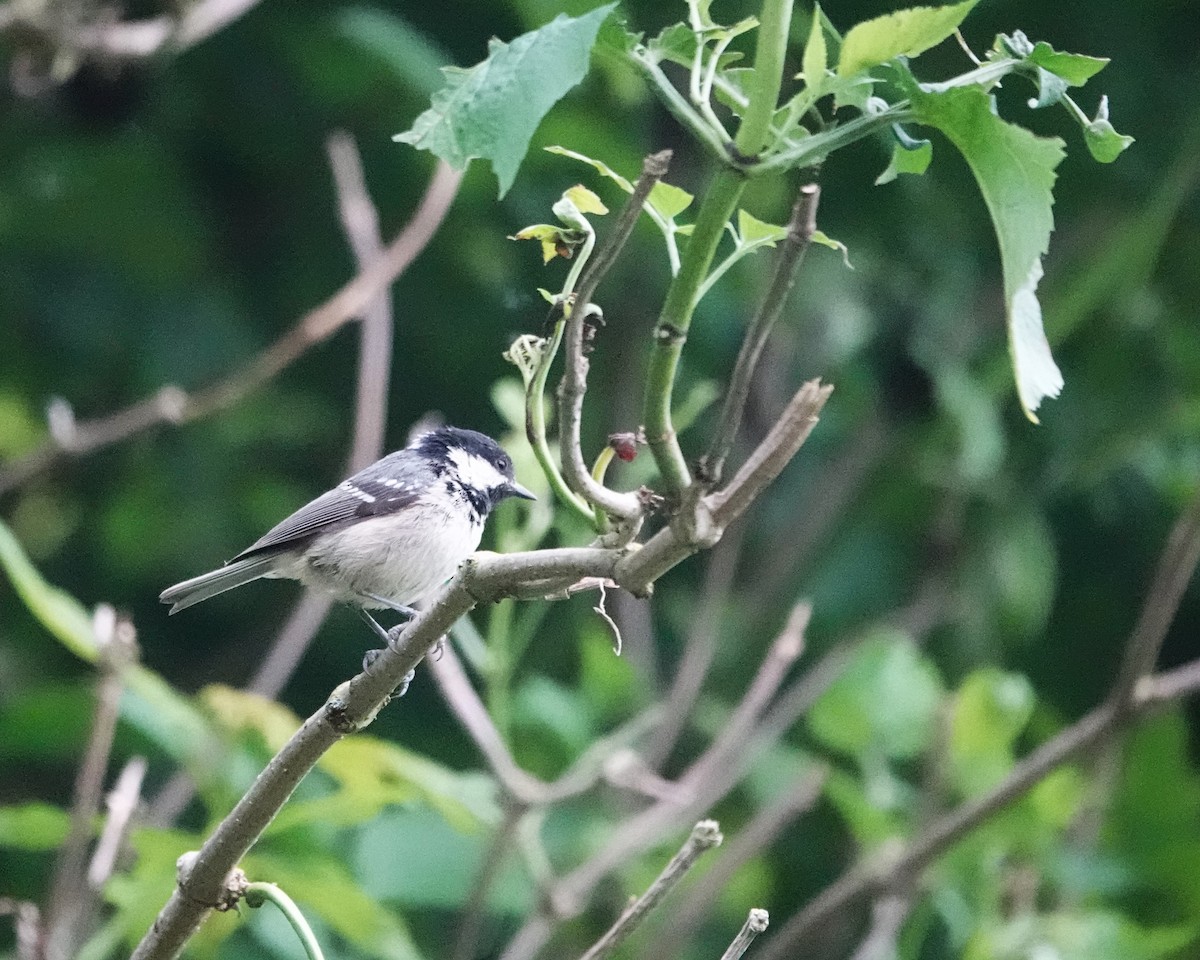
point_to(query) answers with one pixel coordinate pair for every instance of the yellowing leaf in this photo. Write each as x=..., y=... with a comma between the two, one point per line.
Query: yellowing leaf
x=585, y=200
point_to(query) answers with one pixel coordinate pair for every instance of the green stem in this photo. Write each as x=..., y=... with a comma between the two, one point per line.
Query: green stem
x=679, y=107
x=672, y=328
x=500, y=665
x=814, y=149
x=769, y=53
x=258, y=893
x=599, y=469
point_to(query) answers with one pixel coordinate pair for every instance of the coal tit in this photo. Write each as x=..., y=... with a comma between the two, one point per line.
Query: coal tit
x=387, y=537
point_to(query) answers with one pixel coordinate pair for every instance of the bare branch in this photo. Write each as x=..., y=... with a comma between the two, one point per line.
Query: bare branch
x=475, y=907
x=172, y=406
x=122, y=803
x=755, y=924
x=800, y=229
x=705, y=835
x=888, y=914
x=772, y=455
x=27, y=926
x=138, y=39
x=574, y=382
x=71, y=901
x=699, y=648
x=756, y=836
x=361, y=224
x=464, y=702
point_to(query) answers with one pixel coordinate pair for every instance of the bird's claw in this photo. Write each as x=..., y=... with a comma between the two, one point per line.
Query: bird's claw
x=369, y=659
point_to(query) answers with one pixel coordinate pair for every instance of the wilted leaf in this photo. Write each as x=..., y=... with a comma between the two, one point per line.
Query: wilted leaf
x=491, y=110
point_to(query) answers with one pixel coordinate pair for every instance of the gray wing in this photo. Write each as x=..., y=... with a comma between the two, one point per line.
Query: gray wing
x=385, y=487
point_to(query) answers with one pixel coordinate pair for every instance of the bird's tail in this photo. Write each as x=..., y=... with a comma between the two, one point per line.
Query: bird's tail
x=207, y=585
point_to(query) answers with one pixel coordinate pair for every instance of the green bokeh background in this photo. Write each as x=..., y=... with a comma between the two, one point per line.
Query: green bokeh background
x=162, y=222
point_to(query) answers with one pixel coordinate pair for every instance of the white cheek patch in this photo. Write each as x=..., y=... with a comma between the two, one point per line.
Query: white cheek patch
x=475, y=471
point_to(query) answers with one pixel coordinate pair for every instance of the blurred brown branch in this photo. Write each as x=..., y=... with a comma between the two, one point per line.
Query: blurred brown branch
x=173, y=406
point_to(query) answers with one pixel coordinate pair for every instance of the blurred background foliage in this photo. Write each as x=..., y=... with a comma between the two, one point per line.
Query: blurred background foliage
x=161, y=222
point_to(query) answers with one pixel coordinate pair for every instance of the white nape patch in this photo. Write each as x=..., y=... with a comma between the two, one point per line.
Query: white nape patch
x=474, y=471
x=355, y=492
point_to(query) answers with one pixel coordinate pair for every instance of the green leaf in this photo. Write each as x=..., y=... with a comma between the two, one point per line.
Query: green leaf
x=55, y=609
x=754, y=232
x=1051, y=89
x=815, y=59
x=668, y=201
x=885, y=702
x=991, y=709
x=1015, y=172
x=1075, y=68
x=599, y=165
x=903, y=33
x=905, y=160
x=492, y=110
x=1103, y=142
x=33, y=826
x=821, y=237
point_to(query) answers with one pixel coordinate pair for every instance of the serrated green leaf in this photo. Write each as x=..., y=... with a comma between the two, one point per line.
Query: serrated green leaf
x=903, y=160
x=884, y=703
x=492, y=110
x=815, y=59
x=1075, y=68
x=1015, y=172
x=33, y=826
x=668, y=201
x=753, y=231
x=903, y=33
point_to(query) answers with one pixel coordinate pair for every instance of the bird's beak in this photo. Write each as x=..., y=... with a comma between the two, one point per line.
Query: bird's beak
x=516, y=490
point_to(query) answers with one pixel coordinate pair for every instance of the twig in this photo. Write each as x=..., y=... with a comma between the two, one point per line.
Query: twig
x=705, y=782
x=705, y=835
x=465, y=704
x=71, y=900
x=141, y=39
x=27, y=927
x=772, y=454
x=1146, y=692
x=888, y=914
x=172, y=406
x=800, y=229
x=575, y=369
x=361, y=224
x=476, y=905
x=122, y=803
x=289, y=646
x=755, y=924
x=747, y=843
x=699, y=648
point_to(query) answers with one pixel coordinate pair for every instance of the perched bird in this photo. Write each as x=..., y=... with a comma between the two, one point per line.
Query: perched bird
x=387, y=537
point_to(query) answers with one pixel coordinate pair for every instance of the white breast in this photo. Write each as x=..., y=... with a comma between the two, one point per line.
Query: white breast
x=403, y=557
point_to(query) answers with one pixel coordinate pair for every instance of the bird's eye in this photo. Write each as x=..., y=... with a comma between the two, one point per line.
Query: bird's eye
x=502, y=464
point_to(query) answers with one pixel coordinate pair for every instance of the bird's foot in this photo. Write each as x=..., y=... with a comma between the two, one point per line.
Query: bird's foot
x=369, y=659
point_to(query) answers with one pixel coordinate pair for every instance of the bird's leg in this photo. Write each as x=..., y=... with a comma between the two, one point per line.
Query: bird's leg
x=371, y=656
x=405, y=611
